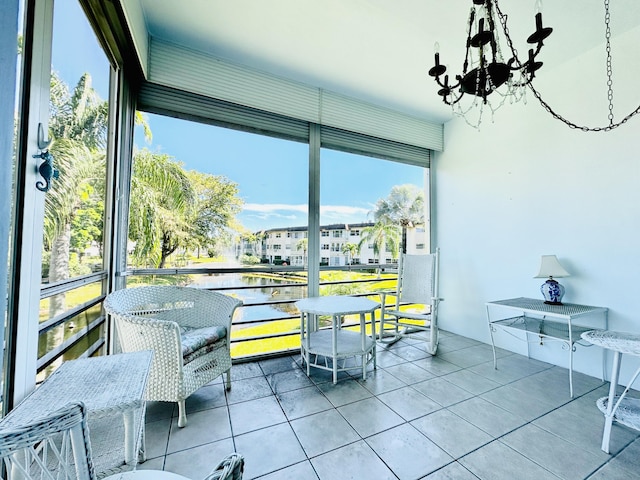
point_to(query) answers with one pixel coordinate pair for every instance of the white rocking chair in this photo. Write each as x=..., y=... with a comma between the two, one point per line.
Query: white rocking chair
x=418, y=286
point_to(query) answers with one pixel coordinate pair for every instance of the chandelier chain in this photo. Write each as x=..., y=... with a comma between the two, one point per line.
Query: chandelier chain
x=547, y=107
x=607, y=22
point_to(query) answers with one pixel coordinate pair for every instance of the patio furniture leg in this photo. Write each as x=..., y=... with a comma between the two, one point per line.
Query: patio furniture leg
x=129, y=437
x=182, y=414
x=334, y=340
x=608, y=418
x=363, y=334
x=142, y=453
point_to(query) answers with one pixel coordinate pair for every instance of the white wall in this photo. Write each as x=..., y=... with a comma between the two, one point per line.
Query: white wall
x=528, y=185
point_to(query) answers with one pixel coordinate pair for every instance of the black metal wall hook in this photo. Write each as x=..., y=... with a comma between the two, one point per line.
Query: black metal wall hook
x=43, y=143
x=46, y=170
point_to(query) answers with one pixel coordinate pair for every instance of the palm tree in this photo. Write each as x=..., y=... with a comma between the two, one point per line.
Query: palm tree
x=303, y=244
x=404, y=206
x=255, y=240
x=78, y=125
x=251, y=239
x=161, y=207
x=383, y=236
x=349, y=249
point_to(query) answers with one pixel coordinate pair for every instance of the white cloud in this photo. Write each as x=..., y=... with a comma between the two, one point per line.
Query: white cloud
x=258, y=216
x=274, y=207
x=280, y=208
x=342, y=210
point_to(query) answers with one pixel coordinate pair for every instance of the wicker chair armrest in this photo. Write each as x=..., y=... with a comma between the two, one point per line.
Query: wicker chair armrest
x=144, y=333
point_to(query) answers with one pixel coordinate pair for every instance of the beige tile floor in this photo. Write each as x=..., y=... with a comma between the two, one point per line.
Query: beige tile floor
x=452, y=416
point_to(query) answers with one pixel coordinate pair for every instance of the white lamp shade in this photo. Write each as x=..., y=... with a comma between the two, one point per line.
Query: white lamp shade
x=550, y=267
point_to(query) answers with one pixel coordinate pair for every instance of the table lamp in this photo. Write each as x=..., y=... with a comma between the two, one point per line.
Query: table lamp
x=551, y=290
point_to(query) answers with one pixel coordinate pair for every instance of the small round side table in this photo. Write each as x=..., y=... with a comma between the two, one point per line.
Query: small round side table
x=146, y=475
x=620, y=408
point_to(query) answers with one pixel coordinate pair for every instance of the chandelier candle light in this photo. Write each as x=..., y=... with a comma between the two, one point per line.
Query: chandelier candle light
x=551, y=290
x=484, y=69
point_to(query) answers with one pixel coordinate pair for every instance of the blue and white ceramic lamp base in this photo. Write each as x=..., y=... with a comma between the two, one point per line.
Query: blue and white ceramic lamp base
x=552, y=292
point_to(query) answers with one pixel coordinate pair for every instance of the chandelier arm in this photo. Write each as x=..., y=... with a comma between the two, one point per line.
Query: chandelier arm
x=444, y=85
x=538, y=48
x=472, y=16
x=455, y=101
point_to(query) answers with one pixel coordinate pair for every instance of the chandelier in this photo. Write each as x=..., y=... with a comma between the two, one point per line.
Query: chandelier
x=485, y=70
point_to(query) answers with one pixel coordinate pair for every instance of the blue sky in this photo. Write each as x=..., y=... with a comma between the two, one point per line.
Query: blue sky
x=271, y=173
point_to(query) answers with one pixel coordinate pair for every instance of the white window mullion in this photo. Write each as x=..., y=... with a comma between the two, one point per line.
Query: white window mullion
x=313, y=274
x=8, y=48
x=30, y=219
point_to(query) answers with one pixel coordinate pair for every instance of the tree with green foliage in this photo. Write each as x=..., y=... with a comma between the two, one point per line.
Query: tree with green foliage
x=303, y=244
x=88, y=224
x=253, y=239
x=174, y=209
x=80, y=116
x=217, y=204
x=349, y=249
x=383, y=237
x=404, y=207
x=161, y=207
x=78, y=126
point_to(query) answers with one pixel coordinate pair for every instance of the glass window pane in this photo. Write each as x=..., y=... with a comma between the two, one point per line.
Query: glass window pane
x=74, y=206
x=78, y=119
x=367, y=207
x=227, y=200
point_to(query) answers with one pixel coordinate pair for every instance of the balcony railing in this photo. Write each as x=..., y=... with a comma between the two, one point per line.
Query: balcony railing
x=76, y=332
x=268, y=324
x=281, y=332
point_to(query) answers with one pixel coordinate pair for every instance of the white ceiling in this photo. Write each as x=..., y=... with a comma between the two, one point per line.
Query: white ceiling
x=375, y=50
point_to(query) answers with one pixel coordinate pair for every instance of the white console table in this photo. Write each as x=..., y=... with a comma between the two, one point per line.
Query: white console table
x=544, y=322
x=327, y=347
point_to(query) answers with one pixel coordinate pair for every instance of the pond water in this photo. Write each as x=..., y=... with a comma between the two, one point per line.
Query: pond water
x=263, y=290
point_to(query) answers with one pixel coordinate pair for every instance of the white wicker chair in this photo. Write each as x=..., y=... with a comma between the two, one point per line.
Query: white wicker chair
x=189, y=331
x=58, y=447
x=417, y=284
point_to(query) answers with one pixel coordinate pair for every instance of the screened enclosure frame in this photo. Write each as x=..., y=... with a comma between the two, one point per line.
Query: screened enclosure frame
x=128, y=92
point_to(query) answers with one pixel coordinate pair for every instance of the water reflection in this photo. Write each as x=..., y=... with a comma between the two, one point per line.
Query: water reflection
x=266, y=288
x=55, y=337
